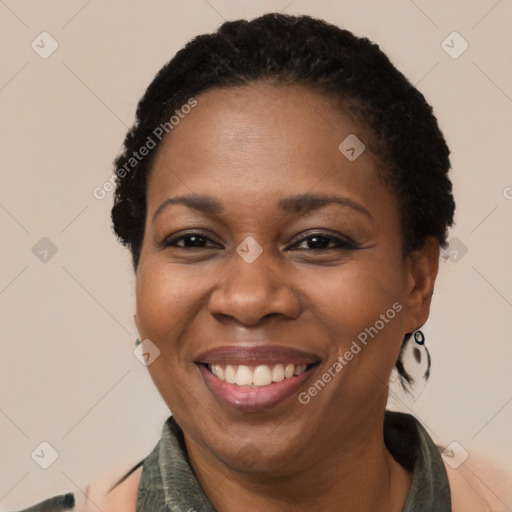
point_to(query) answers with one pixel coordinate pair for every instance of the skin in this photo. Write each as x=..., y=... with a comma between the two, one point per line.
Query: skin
x=248, y=147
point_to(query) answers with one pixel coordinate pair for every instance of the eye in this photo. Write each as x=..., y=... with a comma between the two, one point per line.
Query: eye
x=316, y=241
x=190, y=241
x=324, y=241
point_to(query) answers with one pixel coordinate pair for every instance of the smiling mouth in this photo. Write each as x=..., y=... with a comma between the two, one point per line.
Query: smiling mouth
x=258, y=376
x=255, y=377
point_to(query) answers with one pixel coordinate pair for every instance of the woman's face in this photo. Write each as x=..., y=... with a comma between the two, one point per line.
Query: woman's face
x=261, y=274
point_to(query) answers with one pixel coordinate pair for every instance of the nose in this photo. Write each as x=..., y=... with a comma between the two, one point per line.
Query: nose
x=250, y=292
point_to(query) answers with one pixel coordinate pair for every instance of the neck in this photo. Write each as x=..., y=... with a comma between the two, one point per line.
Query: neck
x=353, y=473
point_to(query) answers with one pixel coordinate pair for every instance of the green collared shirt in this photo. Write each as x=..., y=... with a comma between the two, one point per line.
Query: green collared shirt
x=168, y=483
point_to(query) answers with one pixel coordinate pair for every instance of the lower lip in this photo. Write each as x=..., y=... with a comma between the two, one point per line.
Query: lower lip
x=253, y=399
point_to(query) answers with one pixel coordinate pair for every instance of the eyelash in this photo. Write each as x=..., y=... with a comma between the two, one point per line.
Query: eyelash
x=341, y=244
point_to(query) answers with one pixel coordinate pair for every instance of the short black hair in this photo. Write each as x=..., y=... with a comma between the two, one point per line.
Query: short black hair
x=402, y=131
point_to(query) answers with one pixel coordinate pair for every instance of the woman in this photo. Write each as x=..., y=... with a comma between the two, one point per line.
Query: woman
x=296, y=198
x=284, y=195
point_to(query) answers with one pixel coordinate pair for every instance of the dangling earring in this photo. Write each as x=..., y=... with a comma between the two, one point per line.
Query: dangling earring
x=419, y=356
x=419, y=337
x=138, y=341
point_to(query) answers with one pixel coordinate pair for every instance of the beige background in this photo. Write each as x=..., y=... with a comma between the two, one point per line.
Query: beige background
x=68, y=373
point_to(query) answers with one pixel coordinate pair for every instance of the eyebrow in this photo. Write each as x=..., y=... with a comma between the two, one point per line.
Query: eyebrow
x=298, y=204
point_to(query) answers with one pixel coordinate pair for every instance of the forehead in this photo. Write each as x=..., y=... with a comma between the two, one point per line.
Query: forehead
x=261, y=139
x=243, y=120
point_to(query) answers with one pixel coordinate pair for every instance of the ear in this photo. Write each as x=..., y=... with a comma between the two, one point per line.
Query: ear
x=136, y=321
x=421, y=272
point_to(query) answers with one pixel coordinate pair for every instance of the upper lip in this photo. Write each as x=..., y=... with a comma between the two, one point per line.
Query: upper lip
x=256, y=355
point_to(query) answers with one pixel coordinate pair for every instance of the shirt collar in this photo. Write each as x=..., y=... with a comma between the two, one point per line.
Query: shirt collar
x=168, y=482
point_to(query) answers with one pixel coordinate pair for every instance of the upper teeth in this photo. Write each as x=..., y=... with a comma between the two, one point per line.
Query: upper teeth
x=252, y=376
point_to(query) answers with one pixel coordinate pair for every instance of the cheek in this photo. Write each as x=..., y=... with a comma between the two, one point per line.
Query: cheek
x=360, y=307
x=167, y=301
x=167, y=297
x=353, y=297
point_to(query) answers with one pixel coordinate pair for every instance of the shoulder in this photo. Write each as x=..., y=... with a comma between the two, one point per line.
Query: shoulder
x=122, y=498
x=479, y=485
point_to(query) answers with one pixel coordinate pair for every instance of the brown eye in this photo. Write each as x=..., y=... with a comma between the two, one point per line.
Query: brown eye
x=190, y=241
x=324, y=241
